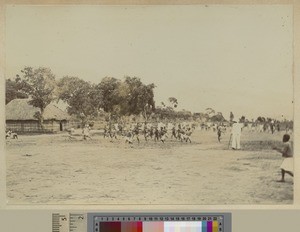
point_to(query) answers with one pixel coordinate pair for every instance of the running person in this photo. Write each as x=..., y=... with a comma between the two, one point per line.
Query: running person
x=174, y=133
x=86, y=132
x=136, y=132
x=219, y=133
x=287, y=153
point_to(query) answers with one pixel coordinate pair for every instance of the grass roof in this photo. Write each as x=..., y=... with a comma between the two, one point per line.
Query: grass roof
x=20, y=109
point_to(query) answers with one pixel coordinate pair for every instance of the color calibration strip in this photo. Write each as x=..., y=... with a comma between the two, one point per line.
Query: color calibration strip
x=149, y=224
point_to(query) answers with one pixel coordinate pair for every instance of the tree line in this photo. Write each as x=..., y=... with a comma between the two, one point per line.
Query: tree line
x=85, y=100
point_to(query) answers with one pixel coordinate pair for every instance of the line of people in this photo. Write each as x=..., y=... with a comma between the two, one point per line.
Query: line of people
x=159, y=132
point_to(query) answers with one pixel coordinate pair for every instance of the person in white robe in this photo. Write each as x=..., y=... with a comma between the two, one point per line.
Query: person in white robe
x=236, y=133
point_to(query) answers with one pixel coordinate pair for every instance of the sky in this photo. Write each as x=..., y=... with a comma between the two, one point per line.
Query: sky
x=229, y=58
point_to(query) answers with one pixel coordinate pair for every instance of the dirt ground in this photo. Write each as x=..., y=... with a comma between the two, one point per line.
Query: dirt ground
x=51, y=169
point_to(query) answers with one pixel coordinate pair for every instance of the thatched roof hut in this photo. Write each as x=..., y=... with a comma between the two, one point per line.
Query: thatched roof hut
x=20, y=117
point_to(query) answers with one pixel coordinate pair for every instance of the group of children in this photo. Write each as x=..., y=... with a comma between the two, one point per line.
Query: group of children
x=183, y=134
x=11, y=134
x=159, y=132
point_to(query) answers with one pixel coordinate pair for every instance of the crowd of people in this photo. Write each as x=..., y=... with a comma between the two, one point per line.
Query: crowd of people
x=183, y=131
x=158, y=132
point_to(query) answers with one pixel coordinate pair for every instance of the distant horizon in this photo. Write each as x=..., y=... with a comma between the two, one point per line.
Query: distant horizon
x=230, y=58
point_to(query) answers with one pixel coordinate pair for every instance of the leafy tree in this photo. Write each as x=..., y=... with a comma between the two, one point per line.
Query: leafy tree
x=165, y=113
x=81, y=97
x=14, y=89
x=199, y=116
x=39, y=84
x=173, y=101
x=108, y=90
x=184, y=115
x=218, y=117
x=116, y=98
x=139, y=98
x=210, y=112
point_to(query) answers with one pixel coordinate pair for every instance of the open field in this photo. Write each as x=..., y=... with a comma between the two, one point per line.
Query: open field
x=51, y=169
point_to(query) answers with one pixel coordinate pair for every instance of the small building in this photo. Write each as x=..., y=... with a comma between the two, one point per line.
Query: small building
x=20, y=117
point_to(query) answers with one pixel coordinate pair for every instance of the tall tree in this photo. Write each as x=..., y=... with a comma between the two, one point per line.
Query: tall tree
x=81, y=97
x=183, y=115
x=218, y=117
x=139, y=99
x=209, y=113
x=13, y=89
x=39, y=84
x=167, y=111
x=109, y=91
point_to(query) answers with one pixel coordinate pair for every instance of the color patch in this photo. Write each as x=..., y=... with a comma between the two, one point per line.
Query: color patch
x=215, y=226
x=204, y=226
x=209, y=226
x=131, y=227
x=153, y=226
x=182, y=227
x=160, y=226
x=110, y=226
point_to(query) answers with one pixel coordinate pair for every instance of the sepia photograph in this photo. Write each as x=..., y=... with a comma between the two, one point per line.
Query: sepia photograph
x=149, y=104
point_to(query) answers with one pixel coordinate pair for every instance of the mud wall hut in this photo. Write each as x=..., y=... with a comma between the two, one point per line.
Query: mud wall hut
x=20, y=117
